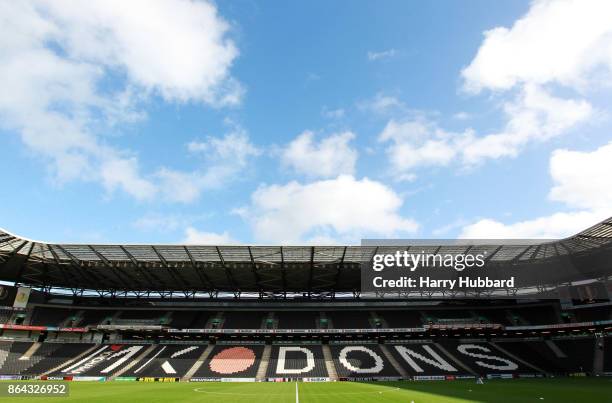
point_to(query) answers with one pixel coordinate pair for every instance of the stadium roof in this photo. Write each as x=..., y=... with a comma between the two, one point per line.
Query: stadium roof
x=191, y=269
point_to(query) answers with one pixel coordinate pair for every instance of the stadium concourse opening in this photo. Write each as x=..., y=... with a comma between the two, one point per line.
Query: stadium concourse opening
x=157, y=313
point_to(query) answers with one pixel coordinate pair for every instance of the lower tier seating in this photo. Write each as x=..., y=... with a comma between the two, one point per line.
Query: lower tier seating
x=579, y=352
x=15, y=363
x=60, y=354
x=227, y=361
x=167, y=361
x=425, y=359
x=608, y=354
x=361, y=361
x=103, y=361
x=305, y=361
x=484, y=358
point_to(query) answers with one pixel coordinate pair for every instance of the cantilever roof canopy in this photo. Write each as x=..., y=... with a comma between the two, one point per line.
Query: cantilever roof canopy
x=164, y=269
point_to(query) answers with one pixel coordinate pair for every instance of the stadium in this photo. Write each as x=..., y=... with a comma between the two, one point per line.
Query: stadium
x=290, y=323
x=306, y=201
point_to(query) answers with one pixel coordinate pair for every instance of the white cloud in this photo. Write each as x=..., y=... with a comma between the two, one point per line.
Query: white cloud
x=177, y=48
x=555, y=47
x=418, y=142
x=333, y=113
x=583, y=179
x=195, y=237
x=344, y=208
x=462, y=116
x=382, y=104
x=331, y=156
x=563, y=42
x=234, y=146
x=169, y=222
x=385, y=54
x=57, y=58
x=225, y=158
x=124, y=174
x=533, y=116
x=559, y=225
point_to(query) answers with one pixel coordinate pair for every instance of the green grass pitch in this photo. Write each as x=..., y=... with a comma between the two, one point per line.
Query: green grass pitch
x=571, y=390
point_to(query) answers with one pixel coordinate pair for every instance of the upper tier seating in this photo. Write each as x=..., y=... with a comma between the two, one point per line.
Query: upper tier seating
x=499, y=316
x=449, y=316
x=93, y=317
x=350, y=320
x=537, y=315
x=141, y=314
x=592, y=314
x=200, y=320
x=297, y=320
x=242, y=320
x=43, y=316
x=396, y=319
x=5, y=316
x=184, y=319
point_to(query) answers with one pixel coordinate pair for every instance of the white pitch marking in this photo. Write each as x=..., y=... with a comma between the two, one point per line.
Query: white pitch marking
x=297, y=395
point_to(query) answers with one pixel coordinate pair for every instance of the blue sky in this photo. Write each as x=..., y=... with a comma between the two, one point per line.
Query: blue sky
x=311, y=122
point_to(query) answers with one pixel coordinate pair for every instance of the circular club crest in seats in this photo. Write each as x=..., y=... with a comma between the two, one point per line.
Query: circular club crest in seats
x=232, y=360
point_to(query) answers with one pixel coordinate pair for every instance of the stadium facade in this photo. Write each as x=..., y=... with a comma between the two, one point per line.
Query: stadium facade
x=256, y=313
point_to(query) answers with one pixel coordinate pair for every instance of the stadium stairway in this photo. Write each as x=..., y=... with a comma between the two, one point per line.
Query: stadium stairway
x=329, y=363
x=135, y=361
x=27, y=320
x=514, y=357
x=71, y=360
x=454, y=359
x=68, y=322
x=4, y=352
x=116, y=316
x=555, y=349
x=263, y=365
x=598, y=356
x=30, y=352
x=374, y=318
x=196, y=365
x=323, y=316
x=400, y=370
